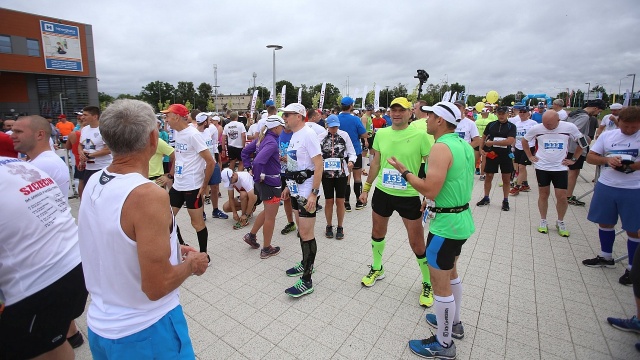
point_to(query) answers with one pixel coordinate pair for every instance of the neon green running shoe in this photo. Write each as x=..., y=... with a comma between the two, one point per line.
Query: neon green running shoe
x=544, y=227
x=373, y=275
x=562, y=229
x=426, y=296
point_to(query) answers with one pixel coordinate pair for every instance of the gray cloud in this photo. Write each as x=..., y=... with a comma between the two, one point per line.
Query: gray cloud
x=507, y=46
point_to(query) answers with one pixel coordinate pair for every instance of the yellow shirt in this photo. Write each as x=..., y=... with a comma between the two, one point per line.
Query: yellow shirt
x=155, y=163
x=422, y=125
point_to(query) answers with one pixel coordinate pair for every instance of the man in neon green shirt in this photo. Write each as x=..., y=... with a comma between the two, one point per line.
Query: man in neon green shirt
x=449, y=181
x=156, y=168
x=393, y=193
x=421, y=123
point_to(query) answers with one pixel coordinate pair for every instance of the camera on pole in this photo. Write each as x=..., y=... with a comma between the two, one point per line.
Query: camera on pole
x=422, y=76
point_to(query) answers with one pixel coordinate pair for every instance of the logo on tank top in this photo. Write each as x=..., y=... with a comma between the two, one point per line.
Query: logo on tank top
x=105, y=178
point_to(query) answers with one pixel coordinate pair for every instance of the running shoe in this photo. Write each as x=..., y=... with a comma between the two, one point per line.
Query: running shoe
x=632, y=325
x=297, y=270
x=485, y=201
x=599, y=261
x=269, y=252
x=625, y=279
x=300, y=288
x=514, y=190
x=347, y=207
x=329, y=232
x=562, y=229
x=481, y=178
x=573, y=201
x=360, y=206
x=457, y=331
x=525, y=188
x=426, y=296
x=288, y=228
x=373, y=275
x=207, y=199
x=208, y=260
x=543, y=227
x=218, y=214
x=318, y=207
x=431, y=349
x=339, y=233
x=477, y=171
x=505, y=206
x=204, y=216
x=251, y=239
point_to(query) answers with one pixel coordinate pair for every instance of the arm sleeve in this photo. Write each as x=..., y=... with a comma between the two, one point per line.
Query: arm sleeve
x=247, y=151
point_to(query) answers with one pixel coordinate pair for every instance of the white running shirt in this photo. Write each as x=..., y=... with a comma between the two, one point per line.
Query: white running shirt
x=189, y=166
x=467, y=130
x=522, y=127
x=53, y=165
x=303, y=146
x=92, y=141
x=39, y=236
x=615, y=143
x=552, y=145
x=245, y=182
x=111, y=267
x=608, y=123
x=234, y=131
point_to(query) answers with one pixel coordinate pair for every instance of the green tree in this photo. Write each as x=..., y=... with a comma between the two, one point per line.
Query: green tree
x=205, y=91
x=210, y=105
x=185, y=91
x=105, y=98
x=127, y=96
x=263, y=93
x=315, y=100
x=292, y=91
x=331, y=95
x=600, y=88
x=155, y=91
x=307, y=96
x=188, y=105
x=507, y=100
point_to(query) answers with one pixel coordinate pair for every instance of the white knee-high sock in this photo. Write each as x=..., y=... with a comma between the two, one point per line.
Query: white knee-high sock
x=456, y=289
x=444, y=309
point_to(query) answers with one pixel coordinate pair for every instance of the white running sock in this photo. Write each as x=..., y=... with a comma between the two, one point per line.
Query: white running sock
x=444, y=309
x=456, y=289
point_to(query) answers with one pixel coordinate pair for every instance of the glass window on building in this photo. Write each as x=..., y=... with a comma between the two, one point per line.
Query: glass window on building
x=5, y=44
x=33, y=47
x=57, y=94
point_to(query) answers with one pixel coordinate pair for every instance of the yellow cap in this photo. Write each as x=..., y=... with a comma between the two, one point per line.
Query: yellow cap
x=402, y=101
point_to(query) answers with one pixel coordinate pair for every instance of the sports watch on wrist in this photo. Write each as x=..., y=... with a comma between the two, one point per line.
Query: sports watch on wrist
x=315, y=191
x=574, y=159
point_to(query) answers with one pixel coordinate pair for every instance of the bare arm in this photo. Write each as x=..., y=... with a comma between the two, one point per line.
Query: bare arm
x=475, y=142
x=208, y=170
x=149, y=227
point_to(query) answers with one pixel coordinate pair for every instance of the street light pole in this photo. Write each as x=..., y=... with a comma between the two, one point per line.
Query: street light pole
x=274, y=47
x=61, y=104
x=387, y=95
x=633, y=84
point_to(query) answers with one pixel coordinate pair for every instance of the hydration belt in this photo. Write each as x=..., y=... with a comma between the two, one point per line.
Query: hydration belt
x=451, y=210
x=298, y=176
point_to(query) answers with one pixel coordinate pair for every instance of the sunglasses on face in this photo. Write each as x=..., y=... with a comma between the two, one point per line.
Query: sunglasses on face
x=523, y=112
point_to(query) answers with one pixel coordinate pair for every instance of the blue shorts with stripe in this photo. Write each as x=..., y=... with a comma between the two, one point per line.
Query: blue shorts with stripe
x=442, y=252
x=609, y=202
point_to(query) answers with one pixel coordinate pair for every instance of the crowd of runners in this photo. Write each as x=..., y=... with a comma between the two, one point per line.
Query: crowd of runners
x=134, y=170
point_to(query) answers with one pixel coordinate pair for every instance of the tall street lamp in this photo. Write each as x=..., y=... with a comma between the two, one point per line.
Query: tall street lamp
x=274, y=47
x=632, y=88
x=387, y=95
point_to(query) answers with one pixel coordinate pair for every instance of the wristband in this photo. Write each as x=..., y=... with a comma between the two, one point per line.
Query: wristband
x=170, y=176
x=366, y=187
x=404, y=174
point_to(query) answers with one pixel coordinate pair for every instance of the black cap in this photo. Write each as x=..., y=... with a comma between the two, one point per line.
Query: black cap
x=595, y=103
x=369, y=107
x=503, y=109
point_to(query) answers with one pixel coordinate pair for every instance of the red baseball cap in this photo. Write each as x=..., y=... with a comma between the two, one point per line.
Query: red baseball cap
x=62, y=116
x=177, y=109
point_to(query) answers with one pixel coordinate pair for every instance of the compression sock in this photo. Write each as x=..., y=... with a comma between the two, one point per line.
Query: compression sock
x=309, y=249
x=444, y=309
x=357, y=189
x=456, y=289
x=607, y=237
x=203, y=237
x=347, y=194
x=632, y=245
x=377, y=246
x=424, y=268
x=179, y=235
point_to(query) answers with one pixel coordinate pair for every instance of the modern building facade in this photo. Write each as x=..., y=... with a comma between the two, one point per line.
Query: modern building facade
x=47, y=65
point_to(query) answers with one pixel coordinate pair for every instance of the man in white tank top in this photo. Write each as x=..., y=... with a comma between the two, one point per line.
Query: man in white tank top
x=132, y=262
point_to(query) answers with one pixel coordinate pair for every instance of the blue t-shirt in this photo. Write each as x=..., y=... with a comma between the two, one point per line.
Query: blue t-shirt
x=353, y=126
x=537, y=117
x=283, y=144
x=388, y=119
x=164, y=136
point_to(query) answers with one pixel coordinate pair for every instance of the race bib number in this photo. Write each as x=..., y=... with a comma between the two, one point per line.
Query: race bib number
x=392, y=179
x=178, y=172
x=293, y=188
x=553, y=145
x=332, y=164
x=461, y=134
x=499, y=139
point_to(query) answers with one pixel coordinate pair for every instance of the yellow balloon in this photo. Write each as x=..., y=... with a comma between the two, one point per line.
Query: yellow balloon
x=484, y=99
x=513, y=103
x=479, y=106
x=492, y=96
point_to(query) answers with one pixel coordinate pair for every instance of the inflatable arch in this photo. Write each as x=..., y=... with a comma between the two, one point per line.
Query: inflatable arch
x=536, y=96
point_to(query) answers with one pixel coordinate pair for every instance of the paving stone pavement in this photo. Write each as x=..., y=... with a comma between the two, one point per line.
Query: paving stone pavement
x=526, y=295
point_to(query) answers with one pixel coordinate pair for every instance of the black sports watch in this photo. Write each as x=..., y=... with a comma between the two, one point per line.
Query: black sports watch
x=315, y=191
x=573, y=159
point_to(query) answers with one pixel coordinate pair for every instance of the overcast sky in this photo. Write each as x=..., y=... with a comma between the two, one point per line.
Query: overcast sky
x=486, y=45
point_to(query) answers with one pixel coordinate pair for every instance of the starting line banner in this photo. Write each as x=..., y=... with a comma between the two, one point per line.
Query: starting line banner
x=61, y=46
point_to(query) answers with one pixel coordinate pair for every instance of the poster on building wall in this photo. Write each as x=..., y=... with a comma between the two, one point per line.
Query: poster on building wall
x=61, y=46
